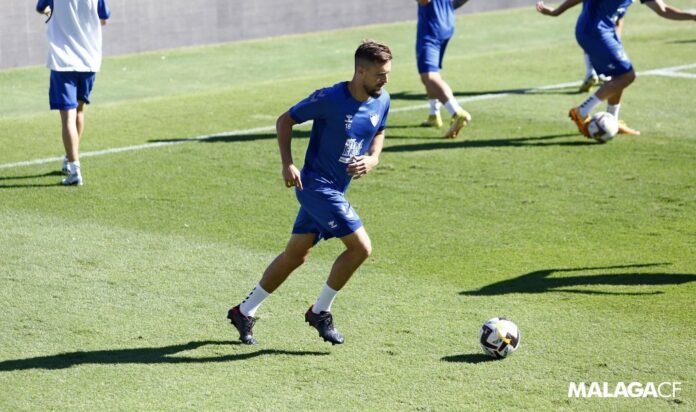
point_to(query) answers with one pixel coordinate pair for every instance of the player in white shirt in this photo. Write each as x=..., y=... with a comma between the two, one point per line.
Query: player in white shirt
x=74, y=57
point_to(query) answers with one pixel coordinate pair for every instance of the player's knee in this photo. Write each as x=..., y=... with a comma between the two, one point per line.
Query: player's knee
x=296, y=257
x=363, y=249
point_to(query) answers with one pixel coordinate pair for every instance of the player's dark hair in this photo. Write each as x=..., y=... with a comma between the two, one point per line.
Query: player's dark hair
x=370, y=52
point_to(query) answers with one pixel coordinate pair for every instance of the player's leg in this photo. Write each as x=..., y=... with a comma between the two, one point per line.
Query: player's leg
x=71, y=143
x=613, y=94
x=296, y=252
x=358, y=249
x=608, y=57
x=426, y=58
x=591, y=79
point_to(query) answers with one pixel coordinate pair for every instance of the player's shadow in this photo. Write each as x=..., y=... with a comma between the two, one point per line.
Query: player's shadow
x=26, y=185
x=530, y=141
x=233, y=137
x=145, y=356
x=480, y=94
x=682, y=41
x=540, y=281
x=468, y=358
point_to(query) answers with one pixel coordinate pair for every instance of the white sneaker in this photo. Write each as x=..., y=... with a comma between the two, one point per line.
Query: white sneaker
x=73, y=179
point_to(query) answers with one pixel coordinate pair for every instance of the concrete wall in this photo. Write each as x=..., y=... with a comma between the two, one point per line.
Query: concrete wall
x=142, y=25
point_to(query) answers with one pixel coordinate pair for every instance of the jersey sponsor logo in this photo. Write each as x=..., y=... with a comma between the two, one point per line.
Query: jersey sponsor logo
x=351, y=149
x=332, y=224
x=348, y=121
x=374, y=118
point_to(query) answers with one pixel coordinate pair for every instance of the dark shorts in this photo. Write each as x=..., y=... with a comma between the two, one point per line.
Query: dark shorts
x=68, y=88
x=606, y=53
x=429, y=54
x=325, y=212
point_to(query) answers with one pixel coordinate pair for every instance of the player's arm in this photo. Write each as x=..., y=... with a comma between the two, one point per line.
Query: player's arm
x=548, y=11
x=103, y=11
x=361, y=165
x=44, y=7
x=291, y=175
x=669, y=12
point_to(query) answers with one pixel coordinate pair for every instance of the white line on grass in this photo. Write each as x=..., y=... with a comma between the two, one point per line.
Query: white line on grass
x=666, y=71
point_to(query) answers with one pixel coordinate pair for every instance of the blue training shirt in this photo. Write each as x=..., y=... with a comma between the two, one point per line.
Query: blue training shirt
x=601, y=15
x=436, y=20
x=343, y=127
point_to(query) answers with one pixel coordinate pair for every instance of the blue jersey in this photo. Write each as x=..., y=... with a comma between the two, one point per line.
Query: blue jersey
x=343, y=128
x=435, y=20
x=600, y=16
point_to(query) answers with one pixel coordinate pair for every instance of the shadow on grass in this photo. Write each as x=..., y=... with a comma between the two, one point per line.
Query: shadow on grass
x=531, y=141
x=540, y=282
x=488, y=93
x=29, y=185
x=140, y=356
x=234, y=137
x=468, y=358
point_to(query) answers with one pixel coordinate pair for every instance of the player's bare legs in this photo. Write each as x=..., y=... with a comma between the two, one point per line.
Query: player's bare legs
x=80, y=119
x=358, y=249
x=71, y=139
x=437, y=88
x=295, y=254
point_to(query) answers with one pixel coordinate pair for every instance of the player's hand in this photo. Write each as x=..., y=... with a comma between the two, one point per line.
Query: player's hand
x=361, y=165
x=291, y=176
x=544, y=9
x=47, y=11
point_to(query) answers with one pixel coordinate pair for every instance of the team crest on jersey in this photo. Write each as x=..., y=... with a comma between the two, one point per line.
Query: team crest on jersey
x=348, y=121
x=374, y=118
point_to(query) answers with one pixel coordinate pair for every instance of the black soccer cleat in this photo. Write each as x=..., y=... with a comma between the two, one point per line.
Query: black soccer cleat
x=323, y=322
x=244, y=325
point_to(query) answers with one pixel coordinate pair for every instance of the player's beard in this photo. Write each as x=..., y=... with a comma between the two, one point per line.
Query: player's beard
x=373, y=92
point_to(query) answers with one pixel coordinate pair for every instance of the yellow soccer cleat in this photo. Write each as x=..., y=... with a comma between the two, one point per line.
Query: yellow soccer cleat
x=588, y=84
x=624, y=129
x=459, y=120
x=580, y=122
x=434, y=120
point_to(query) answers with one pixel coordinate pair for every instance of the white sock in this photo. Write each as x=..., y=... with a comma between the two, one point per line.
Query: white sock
x=589, y=70
x=434, y=106
x=614, y=109
x=453, y=106
x=325, y=300
x=588, y=105
x=253, y=301
x=74, y=167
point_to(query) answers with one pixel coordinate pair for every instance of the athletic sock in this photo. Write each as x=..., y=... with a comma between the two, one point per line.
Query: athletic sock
x=74, y=167
x=588, y=105
x=589, y=70
x=614, y=109
x=453, y=106
x=434, y=106
x=326, y=298
x=253, y=301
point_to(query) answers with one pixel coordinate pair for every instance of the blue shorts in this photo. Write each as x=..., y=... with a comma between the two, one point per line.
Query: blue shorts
x=67, y=88
x=325, y=212
x=606, y=53
x=429, y=54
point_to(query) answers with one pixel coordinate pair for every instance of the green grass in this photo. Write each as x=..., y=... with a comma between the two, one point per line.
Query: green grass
x=114, y=295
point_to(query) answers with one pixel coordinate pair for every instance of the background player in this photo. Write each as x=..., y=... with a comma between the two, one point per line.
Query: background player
x=74, y=57
x=345, y=142
x=595, y=31
x=436, y=21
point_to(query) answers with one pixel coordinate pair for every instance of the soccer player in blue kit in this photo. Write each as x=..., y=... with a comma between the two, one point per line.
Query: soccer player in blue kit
x=345, y=142
x=435, y=27
x=595, y=31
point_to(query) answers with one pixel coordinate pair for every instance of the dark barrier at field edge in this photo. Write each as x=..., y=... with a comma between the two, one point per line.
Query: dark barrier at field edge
x=143, y=25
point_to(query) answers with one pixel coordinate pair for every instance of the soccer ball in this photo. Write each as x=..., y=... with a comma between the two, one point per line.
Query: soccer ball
x=603, y=126
x=499, y=337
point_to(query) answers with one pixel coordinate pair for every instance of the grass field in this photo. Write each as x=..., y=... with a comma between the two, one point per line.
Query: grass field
x=114, y=295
